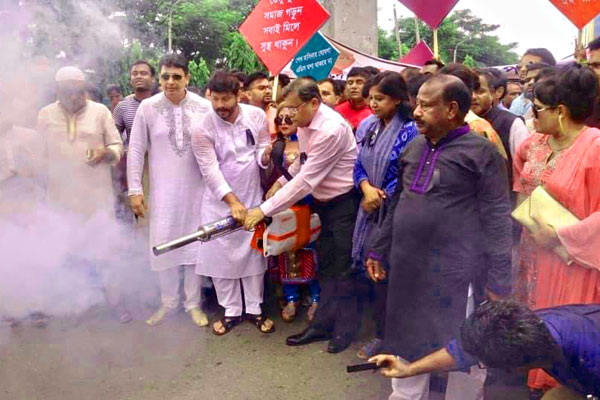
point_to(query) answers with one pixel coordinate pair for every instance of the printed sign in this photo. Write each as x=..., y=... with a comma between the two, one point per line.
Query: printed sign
x=432, y=12
x=418, y=55
x=579, y=12
x=277, y=29
x=316, y=58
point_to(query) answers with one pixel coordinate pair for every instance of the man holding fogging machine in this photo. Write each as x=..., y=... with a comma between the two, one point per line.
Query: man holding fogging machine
x=324, y=169
x=231, y=145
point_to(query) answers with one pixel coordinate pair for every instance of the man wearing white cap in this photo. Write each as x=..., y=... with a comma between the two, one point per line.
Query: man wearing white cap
x=81, y=144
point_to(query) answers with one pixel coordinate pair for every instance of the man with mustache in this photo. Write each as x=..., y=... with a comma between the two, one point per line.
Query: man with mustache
x=355, y=108
x=450, y=219
x=163, y=129
x=231, y=145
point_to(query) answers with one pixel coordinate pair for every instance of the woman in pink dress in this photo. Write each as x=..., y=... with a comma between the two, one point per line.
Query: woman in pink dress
x=563, y=155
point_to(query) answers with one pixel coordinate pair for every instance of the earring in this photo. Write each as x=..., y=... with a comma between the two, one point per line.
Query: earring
x=561, y=126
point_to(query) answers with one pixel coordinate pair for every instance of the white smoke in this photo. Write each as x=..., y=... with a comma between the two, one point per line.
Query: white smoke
x=52, y=260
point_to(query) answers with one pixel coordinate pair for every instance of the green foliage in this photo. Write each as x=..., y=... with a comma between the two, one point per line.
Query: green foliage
x=469, y=61
x=386, y=45
x=465, y=33
x=199, y=72
x=239, y=55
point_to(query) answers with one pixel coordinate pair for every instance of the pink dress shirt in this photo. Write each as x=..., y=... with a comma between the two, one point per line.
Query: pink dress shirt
x=330, y=149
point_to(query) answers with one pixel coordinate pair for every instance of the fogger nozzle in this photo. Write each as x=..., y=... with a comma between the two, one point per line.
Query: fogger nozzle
x=204, y=233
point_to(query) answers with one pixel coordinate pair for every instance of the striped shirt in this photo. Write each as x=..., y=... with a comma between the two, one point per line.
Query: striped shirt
x=124, y=114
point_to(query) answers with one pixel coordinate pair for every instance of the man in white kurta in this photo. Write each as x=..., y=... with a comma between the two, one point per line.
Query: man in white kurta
x=81, y=143
x=162, y=127
x=230, y=145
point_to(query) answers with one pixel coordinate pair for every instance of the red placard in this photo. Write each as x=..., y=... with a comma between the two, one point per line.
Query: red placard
x=432, y=12
x=579, y=12
x=277, y=29
x=418, y=55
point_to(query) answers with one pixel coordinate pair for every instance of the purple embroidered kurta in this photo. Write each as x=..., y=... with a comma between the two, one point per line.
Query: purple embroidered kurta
x=449, y=222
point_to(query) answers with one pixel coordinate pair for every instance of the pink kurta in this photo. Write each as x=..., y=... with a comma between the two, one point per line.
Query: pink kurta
x=572, y=177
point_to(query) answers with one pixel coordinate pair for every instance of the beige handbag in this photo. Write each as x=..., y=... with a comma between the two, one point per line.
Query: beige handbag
x=541, y=206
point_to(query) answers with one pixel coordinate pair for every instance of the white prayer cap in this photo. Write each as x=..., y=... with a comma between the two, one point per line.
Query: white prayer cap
x=69, y=74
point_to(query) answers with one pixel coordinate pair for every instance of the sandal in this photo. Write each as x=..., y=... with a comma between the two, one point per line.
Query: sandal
x=288, y=314
x=259, y=321
x=227, y=323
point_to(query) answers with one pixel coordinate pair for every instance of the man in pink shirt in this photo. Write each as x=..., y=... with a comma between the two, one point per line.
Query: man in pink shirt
x=324, y=169
x=355, y=109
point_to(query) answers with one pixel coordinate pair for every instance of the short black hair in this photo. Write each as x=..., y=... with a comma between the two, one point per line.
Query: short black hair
x=414, y=83
x=284, y=80
x=371, y=70
x=306, y=89
x=495, y=78
x=505, y=334
x=435, y=62
x=144, y=62
x=337, y=88
x=454, y=90
x=464, y=73
x=594, y=44
x=174, y=61
x=195, y=90
x=572, y=85
x=255, y=76
x=391, y=84
x=542, y=53
x=224, y=82
x=113, y=88
x=358, y=71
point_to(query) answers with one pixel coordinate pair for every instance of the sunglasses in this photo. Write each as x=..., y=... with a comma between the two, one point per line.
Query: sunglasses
x=166, y=77
x=280, y=120
x=537, y=110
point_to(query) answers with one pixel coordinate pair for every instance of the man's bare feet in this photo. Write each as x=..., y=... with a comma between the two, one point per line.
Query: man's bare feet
x=159, y=316
x=198, y=317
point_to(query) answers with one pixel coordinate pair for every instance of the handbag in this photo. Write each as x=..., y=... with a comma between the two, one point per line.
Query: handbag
x=541, y=206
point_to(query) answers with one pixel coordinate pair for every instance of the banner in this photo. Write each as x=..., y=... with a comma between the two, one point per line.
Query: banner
x=418, y=55
x=579, y=12
x=277, y=29
x=316, y=58
x=432, y=12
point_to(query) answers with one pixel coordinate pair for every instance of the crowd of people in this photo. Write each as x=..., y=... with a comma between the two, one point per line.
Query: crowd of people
x=414, y=177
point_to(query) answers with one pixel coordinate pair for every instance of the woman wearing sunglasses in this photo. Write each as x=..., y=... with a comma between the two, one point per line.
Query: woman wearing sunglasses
x=382, y=138
x=286, y=131
x=563, y=155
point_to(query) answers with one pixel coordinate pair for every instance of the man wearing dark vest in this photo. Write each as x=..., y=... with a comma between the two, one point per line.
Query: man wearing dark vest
x=510, y=127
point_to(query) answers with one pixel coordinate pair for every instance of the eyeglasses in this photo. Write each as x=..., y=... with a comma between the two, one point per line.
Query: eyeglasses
x=294, y=110
x=166, y=77
x=287, y=119
x=536, y=110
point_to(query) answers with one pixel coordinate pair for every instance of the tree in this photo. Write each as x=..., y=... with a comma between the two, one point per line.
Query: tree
x=467, y=35
x=199, y=73
x=239, y=55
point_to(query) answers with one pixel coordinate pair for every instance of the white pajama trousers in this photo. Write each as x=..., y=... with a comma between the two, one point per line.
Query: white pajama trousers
x=229, y=294
x=169, y=287
x=461, y=385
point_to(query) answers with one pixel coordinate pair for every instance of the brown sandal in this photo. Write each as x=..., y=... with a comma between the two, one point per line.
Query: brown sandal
x=259, y=322
x=228, y=323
